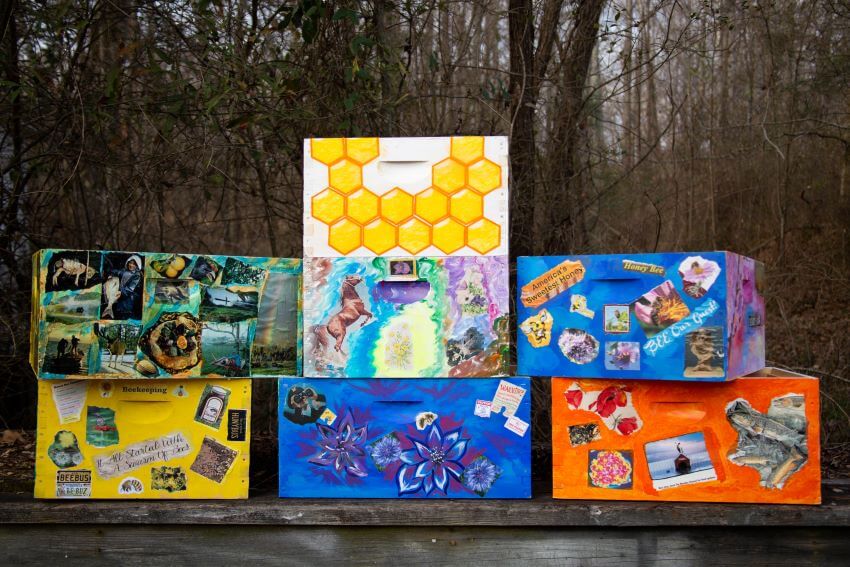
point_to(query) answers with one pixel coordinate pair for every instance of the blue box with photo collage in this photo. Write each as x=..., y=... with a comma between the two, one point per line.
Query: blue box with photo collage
x=666, y=316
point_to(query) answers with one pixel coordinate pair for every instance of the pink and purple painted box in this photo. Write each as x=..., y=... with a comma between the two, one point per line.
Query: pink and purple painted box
x=668, y=316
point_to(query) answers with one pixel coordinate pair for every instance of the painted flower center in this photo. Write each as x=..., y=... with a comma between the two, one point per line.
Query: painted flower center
x=437, y=455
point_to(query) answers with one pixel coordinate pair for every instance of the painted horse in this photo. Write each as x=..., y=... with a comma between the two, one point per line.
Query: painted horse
x=352, y=309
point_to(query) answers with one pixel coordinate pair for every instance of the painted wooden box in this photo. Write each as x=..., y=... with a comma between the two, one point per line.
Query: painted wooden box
x=755, y=439
x=435, y=438
x=406, y=252
x=99, y=314
x=418, y=317
x=668, y=316
x=161, y=439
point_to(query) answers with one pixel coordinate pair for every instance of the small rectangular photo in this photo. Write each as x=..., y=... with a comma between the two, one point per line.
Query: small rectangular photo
x=402, y=269
x=616, y=319
x=117, y=343
x=171, y=292
x=622, y=355
x=238, y=272
x=229, y=304
x=123, y=284
x=73, y=270
x=67, y=348
x=678, y=461
x=610, y=469
x=704, y=353
x=659, y=308
x=226, y=349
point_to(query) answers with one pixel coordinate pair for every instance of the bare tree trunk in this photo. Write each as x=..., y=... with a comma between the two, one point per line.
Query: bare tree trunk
x=553, y=210
x=521, y=38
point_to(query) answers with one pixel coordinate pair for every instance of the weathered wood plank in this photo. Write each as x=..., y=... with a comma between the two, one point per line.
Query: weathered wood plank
x=267, y=509
x=222, y=545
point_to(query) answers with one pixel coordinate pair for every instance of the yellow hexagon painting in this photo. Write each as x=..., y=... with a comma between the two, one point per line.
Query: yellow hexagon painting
x=396, y=206
x=467, y=149
x=328, y=206
x=432, y=205
x=359, y=207
x=379, y=236
x=449, y=175
x=484, y=176
x=327, y=150
x=483, y=236
x=448, y=235
x=361, y=150
x=414, y=236
x=345, y=176
x=466, y=206
x=344, y=236
x=362, y=206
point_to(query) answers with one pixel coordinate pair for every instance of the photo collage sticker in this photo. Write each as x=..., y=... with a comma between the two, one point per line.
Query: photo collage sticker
x=148, y=315
x=623, y=316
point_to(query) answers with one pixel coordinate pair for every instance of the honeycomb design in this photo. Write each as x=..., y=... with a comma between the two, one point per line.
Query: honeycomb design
x=449, y=215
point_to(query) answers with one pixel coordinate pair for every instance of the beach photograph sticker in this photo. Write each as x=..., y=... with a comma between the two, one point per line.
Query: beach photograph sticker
x=679, y=461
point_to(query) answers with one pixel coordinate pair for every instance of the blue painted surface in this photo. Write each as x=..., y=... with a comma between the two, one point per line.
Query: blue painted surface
x=379, y=444
x=732, y=306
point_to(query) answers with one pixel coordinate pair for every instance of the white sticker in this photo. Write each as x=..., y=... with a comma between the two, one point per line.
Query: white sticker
x=516, y=425
x=131, y=485
x=70, y=397
x=482, y=408
x=507, y=396
x=143, y=453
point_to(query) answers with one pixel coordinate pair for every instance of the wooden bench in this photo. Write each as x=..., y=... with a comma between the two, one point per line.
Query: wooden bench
x=266, y=528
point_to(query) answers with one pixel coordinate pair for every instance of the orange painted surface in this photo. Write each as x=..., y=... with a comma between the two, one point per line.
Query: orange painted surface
x=672, y=409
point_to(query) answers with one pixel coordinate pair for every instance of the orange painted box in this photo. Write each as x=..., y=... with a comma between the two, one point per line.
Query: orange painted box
x=755, y=439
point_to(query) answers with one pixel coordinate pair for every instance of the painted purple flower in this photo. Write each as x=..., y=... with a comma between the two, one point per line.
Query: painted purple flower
x=480, y=475
x=386, y=451
x=432, y=461
x=342, y=447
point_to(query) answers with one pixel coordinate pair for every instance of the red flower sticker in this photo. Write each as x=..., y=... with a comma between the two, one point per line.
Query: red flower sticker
x=627, y=425
x=574, y=398
x=609, y=400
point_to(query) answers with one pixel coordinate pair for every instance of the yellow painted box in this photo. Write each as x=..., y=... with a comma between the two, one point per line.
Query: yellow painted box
x=152, y=439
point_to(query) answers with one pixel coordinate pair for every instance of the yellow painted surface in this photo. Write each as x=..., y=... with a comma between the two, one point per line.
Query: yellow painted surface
x=379, y=236
x=396, y=205
x=484, y=176
x=468, y=149
x=345, y=176
x=448, y=235
x=328, y=206
x=483, y=235
x=157, y=426
x=414, y=235
x=358, y=215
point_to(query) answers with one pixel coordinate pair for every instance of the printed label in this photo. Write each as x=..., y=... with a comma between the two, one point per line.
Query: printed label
x=507, y=396
x=643, y=268
x=137, y=455
x=70, y=397
x=73, y=484
x=237, y=424
x=516, y=425
x=483, y=407
x=549, y=284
